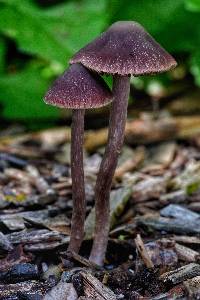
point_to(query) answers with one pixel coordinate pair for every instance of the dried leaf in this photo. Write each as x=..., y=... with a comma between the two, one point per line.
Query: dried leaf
x=62, y=291
x=118, y=200
x=181, y=274
x=95, y=289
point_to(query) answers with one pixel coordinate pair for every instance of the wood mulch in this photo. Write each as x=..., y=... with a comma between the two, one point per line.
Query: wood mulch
x=154, y=243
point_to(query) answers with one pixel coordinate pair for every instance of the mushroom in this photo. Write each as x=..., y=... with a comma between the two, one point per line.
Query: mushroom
x=123, y=50
x=78, y=89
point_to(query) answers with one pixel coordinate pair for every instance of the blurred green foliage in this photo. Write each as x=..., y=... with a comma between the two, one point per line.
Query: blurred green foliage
x=36, y=42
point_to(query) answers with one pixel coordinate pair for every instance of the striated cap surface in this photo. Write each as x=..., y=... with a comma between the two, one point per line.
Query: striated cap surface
x=78, y=88
x=125, y=49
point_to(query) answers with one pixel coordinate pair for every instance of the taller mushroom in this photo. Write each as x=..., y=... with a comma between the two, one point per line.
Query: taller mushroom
x=78, y=89
x=124, y=49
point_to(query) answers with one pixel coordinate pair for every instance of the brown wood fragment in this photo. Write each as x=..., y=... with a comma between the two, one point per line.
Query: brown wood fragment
x=192, y=287
x=32, y=177
x=164, y=153
x=17, y=174
x=95, y=289
x=151, y=187
x=95, y=139
x=187, y=103
x=162, y=253
x=175, y=197
x=142, y=209
x=105, y=278
x=186, y=254
x=62, y=291
x=18, y=150
x=12, y=222
x=179, y=212
x=186, y=239
x=195, y=206
x=34, y=236
x=5, y=244
x=128, y=228
x=147, y=207
x=60, y=224
x=143, y=130
x=16, y=256
x=143, y=252
x=170, y=224
x=131, y=164
x=62, y=185
x=38, y=240
x=181, y=274
x=176, y=292
x=147, y=130
x=28, y=288
x=46, y=246
x=84, y=298
x=83, y=260
x=37, y=180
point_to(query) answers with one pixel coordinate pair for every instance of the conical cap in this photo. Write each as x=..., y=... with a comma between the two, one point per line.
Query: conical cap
x=78, y=88
x=125, y=49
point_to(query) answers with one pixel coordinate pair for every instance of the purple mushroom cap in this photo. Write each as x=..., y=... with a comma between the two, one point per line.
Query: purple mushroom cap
x=125, y=49
x=78, y=88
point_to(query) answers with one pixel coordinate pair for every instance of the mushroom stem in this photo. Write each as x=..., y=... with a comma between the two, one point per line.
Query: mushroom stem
x=77, y=174
x=118, y=114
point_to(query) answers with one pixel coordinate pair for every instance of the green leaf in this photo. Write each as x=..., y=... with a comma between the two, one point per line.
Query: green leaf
x=193, y=5
x=195, y=67
x=2, y=54
x=55, y=33
x=77, y=22
x=21, y=96
x=52, y=35
x=167, y=20
x=23, y=23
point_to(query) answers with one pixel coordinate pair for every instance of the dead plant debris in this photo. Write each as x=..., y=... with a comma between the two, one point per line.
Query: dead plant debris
x=154, y=246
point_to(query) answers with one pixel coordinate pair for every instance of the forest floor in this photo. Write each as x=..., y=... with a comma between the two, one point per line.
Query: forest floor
x=154, y=242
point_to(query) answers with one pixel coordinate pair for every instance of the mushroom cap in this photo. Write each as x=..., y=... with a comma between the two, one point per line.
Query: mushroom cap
x=78, y=88
x=125, y=49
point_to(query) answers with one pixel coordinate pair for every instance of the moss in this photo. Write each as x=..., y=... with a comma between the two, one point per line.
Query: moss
x=192, y=187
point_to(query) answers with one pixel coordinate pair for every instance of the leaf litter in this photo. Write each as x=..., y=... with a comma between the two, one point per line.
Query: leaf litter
x=154, y=245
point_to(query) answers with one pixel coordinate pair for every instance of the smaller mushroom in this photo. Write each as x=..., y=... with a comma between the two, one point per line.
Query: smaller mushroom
x=78, y=89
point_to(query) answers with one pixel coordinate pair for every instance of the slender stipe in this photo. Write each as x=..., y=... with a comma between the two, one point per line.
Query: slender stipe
x=118, y=114
x=77, y=174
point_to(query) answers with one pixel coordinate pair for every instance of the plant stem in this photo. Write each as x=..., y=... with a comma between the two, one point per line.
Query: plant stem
x=77, y=174
x=118, y=114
